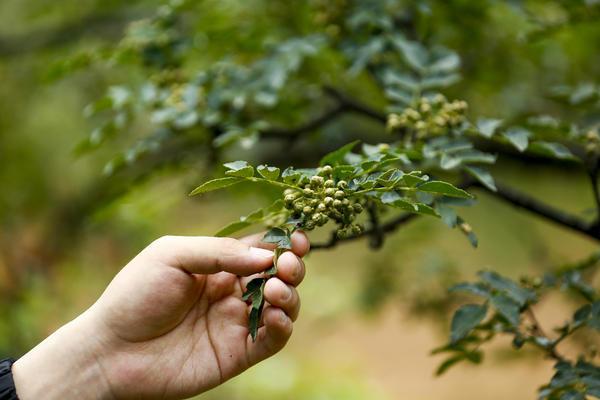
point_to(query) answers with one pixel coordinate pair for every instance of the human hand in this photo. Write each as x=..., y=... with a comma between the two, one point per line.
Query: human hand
x=171, y=324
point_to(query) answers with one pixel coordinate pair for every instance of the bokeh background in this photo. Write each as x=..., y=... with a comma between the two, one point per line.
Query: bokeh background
x=369, y=319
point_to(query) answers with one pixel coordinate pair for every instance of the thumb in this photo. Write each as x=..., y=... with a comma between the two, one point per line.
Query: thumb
x=208, y=255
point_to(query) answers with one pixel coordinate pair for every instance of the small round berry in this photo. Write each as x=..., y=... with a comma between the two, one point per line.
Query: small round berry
x=329, y=191
x=328, y=201
x=337, y=203
x=357, y=208
x=329, y=183
x=309, y=225
x=307, y=209
x=308, y=192
x=342, y=184
x=321, y=207
x=326, y=170
x=339, y=194
x=316, y=180
x=288, y=192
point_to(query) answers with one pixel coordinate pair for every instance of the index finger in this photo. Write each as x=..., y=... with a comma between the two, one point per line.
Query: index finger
x=300, y=242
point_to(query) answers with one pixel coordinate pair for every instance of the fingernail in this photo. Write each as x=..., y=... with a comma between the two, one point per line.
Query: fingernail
x=262, y=253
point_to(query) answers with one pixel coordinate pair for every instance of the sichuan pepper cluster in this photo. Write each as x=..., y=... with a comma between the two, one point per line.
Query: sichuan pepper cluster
x=435, y=116
x=323, y=199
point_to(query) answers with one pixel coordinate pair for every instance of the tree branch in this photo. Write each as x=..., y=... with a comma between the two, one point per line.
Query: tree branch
x=523, y=201
x=505, y=193
x=293, y=134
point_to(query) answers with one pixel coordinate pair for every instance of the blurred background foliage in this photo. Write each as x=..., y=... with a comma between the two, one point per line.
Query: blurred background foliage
x=369, y=318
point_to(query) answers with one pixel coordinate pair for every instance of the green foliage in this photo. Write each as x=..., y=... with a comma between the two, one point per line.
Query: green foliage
x=184, y=90
x=513, y=314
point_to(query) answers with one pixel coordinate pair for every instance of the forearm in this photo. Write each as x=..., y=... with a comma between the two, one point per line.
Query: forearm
x=63, y=366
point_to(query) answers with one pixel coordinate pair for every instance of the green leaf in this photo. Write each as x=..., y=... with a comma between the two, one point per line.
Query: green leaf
x=414, y=178
x=254, y=322
x=236, y=165
x=507, y=307
x=518, y=137
x=414, y=53
x=239, y=168
x=582, y=314
x=448, y=214
x=482, y=176
x=336, y=157
x=270, y=173
x=519, y=294
x=252, y=288
x=465, y=319
x=445, y=188
x=280, y=237
x=440, y=81
x=448, y=363
x=232, y=228
x=555, y=150
x=476, y=289
x=277, y=253
x=487, y=126
x=215, y=184
x=447, y=62
x=255, y=294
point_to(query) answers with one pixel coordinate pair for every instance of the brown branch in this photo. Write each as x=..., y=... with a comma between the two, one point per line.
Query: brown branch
x=505, y=193
x=354, y=105
x=293, y=134
x=388, y=227
x=538, y=331
x=548, y=212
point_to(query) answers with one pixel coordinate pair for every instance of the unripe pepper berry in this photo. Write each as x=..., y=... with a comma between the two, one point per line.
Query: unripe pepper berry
x=316, y=180
x=326, y=170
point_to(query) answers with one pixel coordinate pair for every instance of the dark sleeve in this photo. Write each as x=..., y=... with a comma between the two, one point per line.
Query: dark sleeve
x=7, y=384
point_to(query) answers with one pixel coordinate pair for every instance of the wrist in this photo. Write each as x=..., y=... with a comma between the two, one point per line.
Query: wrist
x=64, y=366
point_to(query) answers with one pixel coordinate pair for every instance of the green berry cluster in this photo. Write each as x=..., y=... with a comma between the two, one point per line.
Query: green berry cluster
x=320, y=199
x=429, y=116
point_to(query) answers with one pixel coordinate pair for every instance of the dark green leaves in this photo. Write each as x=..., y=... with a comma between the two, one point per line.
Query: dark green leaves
x=508, y=287
x=465, y=319
x=215, y=184
x=554, y=150
x=280, y=237
x=572, y=381
x=487, y=126
x=444, y=188
x=483, y=176
x=507, y=307
x=518, y=137
x=255, y=295
x=336, y=157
